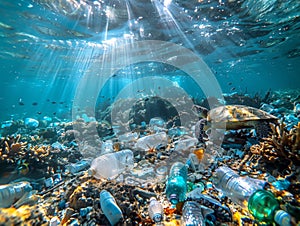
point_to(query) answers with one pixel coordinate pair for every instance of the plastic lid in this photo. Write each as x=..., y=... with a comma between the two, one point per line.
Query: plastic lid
x=152, y=199
x=282, y=218
x=157, y=217
x=174, y=199
x=91, y=172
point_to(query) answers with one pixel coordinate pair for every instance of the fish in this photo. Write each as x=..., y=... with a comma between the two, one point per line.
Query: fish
x=34, y=103
x=21, y=102
x=6, y=26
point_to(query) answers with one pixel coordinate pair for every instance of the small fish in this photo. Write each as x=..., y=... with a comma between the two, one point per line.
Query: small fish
x=53, y=102
x=54, y=113
x=21, y=102
x=61, y=102
x=39, y=112
x=34, y=103
x=232, y=89
x=229, y=83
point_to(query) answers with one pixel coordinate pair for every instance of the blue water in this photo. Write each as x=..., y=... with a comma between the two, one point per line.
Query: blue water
x=49, y=47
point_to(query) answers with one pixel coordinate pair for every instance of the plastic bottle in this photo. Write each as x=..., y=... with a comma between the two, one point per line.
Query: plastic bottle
x=177, y=183
x=185, y=144
x=111, y=164
x=264, y=207
x=9, y=193
x=151, y=141
x=192, y=214
x=238, y=188
x=107, y=147
x=110, y=208
x=262, y=204
x=156, y=210
x=79, y=166
x=157, y=124
x=127, y=137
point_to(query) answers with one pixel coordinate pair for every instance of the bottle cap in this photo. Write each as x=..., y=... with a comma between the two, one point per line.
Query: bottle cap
x=174, y=199
x=157, y=217
x=152, y=199
x=91, y=172
x=282, y=218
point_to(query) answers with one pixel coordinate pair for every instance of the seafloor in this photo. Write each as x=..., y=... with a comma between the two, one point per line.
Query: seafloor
x=37, y=154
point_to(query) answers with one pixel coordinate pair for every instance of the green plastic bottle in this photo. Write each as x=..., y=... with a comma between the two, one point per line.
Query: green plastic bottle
x=264, y=207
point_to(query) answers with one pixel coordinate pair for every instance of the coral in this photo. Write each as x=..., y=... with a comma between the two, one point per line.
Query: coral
x=280, y=145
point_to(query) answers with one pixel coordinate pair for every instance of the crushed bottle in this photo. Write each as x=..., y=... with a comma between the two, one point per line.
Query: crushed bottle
x=151, y=141
x=112, y=164
x=9, y=193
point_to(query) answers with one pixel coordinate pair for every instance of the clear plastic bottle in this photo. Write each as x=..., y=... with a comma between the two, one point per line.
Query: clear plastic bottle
x=112, y=164
x=185, y=144
x=238, y=188
x=192, y=214
x=156, y=210
x=151, y=141
x=110, y=208
x=157, y=124
x=9, y=193
x=78, y=166
x=107, y=147
x=177, y=183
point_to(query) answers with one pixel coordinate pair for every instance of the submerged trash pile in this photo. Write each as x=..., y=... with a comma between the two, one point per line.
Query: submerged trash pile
x=66, y=174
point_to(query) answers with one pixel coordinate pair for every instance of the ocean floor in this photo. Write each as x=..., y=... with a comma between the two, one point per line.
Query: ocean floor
x=40, y=154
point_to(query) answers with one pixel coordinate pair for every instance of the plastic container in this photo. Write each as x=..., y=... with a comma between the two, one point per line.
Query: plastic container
x=78, y=166
x=156, y=210
x=157, y=124
x=112, y=164
x=107, y=147
x=177, y=183
x=110, y=208
x=192, y=214
x=238, y=188
x=151, y=141
x=9, y=193
x=264, y=207
x=185, y=144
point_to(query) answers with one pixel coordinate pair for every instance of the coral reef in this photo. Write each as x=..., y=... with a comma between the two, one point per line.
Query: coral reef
x=280, y=145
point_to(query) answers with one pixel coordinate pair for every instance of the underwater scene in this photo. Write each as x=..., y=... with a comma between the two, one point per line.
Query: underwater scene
x=150, y=112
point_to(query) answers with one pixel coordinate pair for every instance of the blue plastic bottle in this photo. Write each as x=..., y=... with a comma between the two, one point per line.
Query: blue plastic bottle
x=110, y=208
x=177, y=183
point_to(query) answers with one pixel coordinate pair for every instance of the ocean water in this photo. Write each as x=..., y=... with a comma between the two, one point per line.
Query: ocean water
x=77, y=75
x=50, y=48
